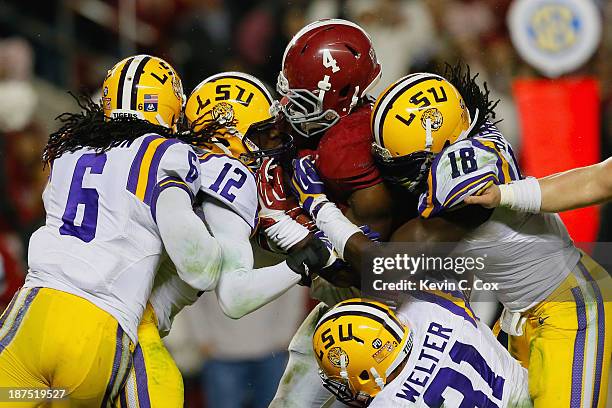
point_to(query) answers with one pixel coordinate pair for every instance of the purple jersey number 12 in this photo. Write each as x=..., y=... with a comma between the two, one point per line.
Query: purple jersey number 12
x=229, y=184
x=88, y=197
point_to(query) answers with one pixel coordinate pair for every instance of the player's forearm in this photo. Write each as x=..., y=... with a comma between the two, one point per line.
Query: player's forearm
x=372, y=206
x=196, y=254
x=243, y=290
x=577, y=188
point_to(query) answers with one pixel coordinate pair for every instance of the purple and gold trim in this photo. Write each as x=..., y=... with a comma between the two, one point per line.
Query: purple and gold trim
x=579, y=348
x=161, y=186
x=470, y=186
x=143, y=173
x=122, y=364
x=142, y=387
x=13, y=316
x=456, y=305
x=601, y=330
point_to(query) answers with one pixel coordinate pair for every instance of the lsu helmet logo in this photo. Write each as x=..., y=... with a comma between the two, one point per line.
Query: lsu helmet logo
x=435, y=119
x=335, y=354
x=223, y=113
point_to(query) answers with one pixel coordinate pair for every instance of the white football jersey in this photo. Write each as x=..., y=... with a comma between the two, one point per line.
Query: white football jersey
x=455, y=360
x=229, y=181
x=100, y=240
x=527, y=255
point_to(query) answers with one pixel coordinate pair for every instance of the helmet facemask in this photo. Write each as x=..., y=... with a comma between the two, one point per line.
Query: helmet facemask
x=283, y=151
x=303, y=109
x=409, y=171
x=341, y=389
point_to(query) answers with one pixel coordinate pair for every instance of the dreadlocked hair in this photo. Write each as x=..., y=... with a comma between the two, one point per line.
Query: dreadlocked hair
x=207, y=128
x=90, y=128
x=475, y=97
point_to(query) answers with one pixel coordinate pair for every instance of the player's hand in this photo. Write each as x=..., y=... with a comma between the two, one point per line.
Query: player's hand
x=489, y=198
x=334, y=260
x=309, y=259
x=371, y=234
x=308, y=186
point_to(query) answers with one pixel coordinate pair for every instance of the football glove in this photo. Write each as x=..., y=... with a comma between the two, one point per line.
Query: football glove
x=283, y=221
x=308, y=260
x=307, y=186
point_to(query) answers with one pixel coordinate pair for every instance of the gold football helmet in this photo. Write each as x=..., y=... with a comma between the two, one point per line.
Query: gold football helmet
x=245, y=109
x=358, y=344
x=412, y=121
x=144, y=87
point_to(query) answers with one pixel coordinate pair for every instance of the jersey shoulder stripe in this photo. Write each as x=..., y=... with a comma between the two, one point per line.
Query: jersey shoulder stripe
x=466, y=168
x=143, y=172
x=206, y=156
x=453, y=301
x=164, y=184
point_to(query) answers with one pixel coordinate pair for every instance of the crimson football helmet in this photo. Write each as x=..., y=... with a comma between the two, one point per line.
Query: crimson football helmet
x=327, y=67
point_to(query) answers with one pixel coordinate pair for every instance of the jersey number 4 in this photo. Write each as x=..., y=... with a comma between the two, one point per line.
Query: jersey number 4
x=83, y=201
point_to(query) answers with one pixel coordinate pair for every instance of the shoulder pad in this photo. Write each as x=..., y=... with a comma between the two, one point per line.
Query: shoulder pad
x=228, y=180
x=466, y=168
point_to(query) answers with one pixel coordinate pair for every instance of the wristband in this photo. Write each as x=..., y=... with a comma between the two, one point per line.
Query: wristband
x=523, y=195
x=336, y=227
x=286, y=232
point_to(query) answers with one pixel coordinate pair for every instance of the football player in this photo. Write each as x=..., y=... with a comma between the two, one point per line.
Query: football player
x=327, y=69
x=435, y=138
x=432, y=353
x=242, y=110
x=120, y=190
x=571, y=189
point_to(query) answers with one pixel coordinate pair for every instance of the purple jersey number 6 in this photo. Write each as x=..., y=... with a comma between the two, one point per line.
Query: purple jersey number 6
x=88, y=197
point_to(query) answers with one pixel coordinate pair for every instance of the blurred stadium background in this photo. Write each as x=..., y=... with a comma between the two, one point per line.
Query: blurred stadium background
x=50, y=47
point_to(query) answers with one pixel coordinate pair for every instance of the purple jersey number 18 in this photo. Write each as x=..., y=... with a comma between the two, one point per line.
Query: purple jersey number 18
x=79, y=195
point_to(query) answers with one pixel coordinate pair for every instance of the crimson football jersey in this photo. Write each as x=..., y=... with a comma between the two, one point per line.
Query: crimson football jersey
x=344, y=157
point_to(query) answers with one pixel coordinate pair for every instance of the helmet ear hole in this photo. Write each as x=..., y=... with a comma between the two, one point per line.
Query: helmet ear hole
x=353, y=51
x=364, y=375
x=344, y=91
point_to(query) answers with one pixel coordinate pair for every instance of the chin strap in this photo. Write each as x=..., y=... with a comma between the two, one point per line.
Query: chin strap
x=428, y=136
x=161, y=120
x=377, y=378
x=343, y=372
x=354, y=99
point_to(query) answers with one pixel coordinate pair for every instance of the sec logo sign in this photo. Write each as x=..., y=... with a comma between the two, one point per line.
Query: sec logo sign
x=555, y=36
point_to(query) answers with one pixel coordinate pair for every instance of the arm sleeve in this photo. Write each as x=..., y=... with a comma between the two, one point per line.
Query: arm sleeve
x=170, y=295
x=192, y=249
x=464, y=169
x=242, y=289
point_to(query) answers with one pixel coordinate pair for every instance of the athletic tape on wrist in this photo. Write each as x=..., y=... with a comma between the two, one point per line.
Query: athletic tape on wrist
x=336, y=227
x=523, y=195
